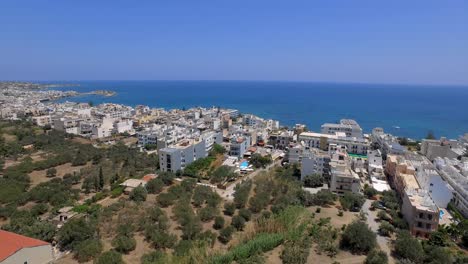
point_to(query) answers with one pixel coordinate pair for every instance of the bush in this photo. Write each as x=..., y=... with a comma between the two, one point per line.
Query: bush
x=52, y=172
x=370, y=192
x=167, y=177
x=88, y=249
x=221, y=174
x=153, y=258
x=245, y=213
x=229, y=209
x=110, y=257
x=206, y=214
x=358, y=238
x=138, y=194
x=124, y=244
x=324, y=197
x=294, y=254
x=238, y=222
x=74, y=232
x=258, y=161
x=242, y=253
x=314, y=180
x=352, y=201
x=218, y=223
x=225, y=234
x=166, y=199
x=407, y=247
x=241, y=194
x=155, y=186
x=383, y=216
x=116, y=192
x=386, y=229
x=376, y=257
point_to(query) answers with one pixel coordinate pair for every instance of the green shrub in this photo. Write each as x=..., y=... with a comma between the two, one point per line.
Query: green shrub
x=352, y=201
x=376, y=257
x=225, y=234
x=238, y=222
x=229, y=209
x=358, y=238
x=218, y=223
x=110, y=257
x=88, y=249
x=386, y=229
x=138, y=194
x=124, y=244
x=263, y=242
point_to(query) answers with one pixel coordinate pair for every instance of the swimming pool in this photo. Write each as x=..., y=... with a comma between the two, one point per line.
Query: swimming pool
x=244, y=165
x=441, y=214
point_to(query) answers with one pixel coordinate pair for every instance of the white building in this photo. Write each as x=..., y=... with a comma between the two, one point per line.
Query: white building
x=388, y=143
x=322, y=141
x=314, y=161
x=343, y=178
x=375, y=164
x=124, y=126
x=432, y=148
x=42, y=120
x=239, y=145
x=177, y=157
x=455, y=172
x=348, y=126
x=211, y=138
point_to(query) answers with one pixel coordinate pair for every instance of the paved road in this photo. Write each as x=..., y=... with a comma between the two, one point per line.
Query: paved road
x=374, y=226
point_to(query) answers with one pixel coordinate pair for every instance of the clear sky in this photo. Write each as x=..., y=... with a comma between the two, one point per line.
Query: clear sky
x=395, y=41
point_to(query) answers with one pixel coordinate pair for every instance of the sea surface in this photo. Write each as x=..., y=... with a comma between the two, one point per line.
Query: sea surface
x=409, y=111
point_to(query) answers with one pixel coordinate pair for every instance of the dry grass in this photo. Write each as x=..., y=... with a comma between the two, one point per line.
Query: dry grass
x=40, y=176
x=332, y=212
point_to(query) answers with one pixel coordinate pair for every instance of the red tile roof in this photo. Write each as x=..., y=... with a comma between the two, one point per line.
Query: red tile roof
x=149, y=177
x=10, y=243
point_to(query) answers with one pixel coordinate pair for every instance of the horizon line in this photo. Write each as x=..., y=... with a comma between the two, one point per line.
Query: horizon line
x=239, y=80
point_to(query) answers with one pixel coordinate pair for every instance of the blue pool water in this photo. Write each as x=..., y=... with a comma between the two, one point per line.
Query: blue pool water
x=244, y=165
x=441, y=214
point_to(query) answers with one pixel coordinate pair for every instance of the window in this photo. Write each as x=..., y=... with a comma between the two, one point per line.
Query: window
x=421, y=215
x=430, y=217
x=428, y=226
x=419, y=224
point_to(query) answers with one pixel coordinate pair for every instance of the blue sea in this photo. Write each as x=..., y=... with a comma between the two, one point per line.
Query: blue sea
x=409, y=111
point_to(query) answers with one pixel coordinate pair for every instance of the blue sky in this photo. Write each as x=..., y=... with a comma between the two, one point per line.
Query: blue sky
x=338, y=41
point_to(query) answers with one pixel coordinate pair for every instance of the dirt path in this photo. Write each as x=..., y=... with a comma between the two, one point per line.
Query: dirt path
x=383, y=242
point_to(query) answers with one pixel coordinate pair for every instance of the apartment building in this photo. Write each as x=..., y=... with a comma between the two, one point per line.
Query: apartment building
x=211, y=138
x=420, y=211
x=67, y=125
x=375, y=164
x=314, y=161
x=387, y=142
x=322, y=141
x=42, y=120
x=343, y=178
x=455, y=172
x=432, y=148
x=177, y=157
x=239, y=145
x=348, y=126
x=418, y=207
x=147, y=138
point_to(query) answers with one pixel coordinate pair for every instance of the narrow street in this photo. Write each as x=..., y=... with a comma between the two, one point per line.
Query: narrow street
x=383, y=242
